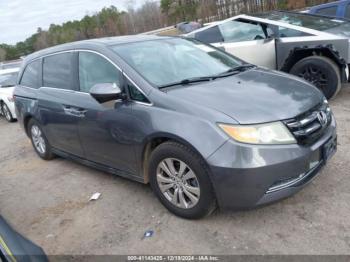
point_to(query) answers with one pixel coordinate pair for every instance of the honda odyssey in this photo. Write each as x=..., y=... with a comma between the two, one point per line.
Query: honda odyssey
x=202, y=127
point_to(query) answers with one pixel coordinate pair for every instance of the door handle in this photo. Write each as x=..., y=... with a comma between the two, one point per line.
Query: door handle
x=73, y=111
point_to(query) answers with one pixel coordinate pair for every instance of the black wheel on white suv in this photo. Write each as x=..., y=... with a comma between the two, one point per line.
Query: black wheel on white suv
x=180, y=180
x=321, y=71
x=39, y=140
x=6, y=113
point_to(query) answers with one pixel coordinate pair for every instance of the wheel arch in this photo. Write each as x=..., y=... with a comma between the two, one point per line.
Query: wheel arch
x=299, y=53
x=152, y=142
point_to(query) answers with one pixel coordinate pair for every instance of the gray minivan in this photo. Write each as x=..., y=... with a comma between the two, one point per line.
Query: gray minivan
x=201, y=126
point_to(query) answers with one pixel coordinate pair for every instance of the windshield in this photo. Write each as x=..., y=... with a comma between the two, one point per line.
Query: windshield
x=308, y=21
x=8, y=79
x=171, y=60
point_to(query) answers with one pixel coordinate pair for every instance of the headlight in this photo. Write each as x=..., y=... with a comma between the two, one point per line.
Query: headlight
x=266, y=134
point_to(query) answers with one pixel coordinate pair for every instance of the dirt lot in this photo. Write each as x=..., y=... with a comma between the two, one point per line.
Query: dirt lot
x=48, y=202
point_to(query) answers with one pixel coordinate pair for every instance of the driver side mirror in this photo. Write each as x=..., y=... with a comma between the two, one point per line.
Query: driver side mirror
x=105, y=92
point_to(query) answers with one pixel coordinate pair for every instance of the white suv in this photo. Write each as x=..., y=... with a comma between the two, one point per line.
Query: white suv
x=8, y=78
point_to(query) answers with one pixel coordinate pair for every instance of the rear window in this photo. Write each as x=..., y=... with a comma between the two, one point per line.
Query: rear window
x=30, y=76
x=57, y=71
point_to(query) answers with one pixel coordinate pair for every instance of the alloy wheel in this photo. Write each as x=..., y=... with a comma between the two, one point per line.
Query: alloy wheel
x=316, y=76
x=38, y=139
x=178, y=183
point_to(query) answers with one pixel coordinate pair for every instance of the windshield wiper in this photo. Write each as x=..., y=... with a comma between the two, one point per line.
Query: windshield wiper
x=237, y=69
x=189, y=81
x=231, y=71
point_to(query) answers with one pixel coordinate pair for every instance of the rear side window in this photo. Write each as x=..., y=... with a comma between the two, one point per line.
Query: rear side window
x=30, y=76
x=58, y=70
x=94, y=69
x=328, y=11
x=209, y=36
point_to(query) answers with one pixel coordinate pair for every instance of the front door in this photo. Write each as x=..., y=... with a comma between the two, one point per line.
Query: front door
x=104, y=129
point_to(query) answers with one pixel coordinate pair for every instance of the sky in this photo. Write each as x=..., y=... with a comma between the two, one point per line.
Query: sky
x=19, y=19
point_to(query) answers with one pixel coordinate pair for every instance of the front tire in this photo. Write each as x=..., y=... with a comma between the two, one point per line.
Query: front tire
x=180, y=179
x=320, y=71
x=39, y=140
x=7, y=113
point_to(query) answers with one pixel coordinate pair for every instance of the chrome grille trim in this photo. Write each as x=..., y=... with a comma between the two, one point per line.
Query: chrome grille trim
x=307, y=127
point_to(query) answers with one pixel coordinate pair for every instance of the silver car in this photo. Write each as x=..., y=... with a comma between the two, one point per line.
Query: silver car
x=313, y=47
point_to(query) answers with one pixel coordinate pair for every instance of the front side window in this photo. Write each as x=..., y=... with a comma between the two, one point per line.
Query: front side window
x=58, y=70
x=94, y=69
x=170, y=60
x=30, y=76
x=328, y=11
x=235, y=31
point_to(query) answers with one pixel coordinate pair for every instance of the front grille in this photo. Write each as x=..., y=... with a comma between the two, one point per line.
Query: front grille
x=310, y=126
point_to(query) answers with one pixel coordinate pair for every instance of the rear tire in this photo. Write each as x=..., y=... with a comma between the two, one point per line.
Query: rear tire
x=321, y=71
x=7, y=113
x=195, y=196
x=39, y=140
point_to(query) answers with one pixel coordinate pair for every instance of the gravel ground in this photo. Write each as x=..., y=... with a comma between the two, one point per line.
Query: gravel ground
x=48, y=203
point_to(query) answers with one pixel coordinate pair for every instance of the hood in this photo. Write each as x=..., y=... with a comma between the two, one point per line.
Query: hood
x=254, y=96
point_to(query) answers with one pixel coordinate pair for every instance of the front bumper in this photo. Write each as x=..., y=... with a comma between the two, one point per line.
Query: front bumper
x=246, y=176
